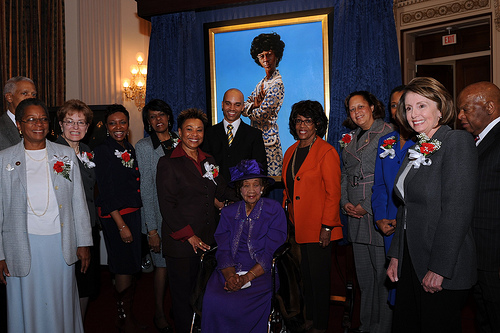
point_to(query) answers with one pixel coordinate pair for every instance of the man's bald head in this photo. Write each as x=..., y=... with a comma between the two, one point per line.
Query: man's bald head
x=232, y=105
x=478, y=105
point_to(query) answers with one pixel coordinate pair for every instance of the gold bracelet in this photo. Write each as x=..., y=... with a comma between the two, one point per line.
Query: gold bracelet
x=250, y=271
x=152, y=235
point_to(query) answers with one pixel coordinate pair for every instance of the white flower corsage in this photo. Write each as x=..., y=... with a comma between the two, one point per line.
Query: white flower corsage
x=388, y=147
x=212, y=171
x=86, y=158
x=62, y=166
x=346, y=139
x=126, y=158
x=423, y=149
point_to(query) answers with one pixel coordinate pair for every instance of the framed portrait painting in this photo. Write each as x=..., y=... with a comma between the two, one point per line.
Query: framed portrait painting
x=303, y=68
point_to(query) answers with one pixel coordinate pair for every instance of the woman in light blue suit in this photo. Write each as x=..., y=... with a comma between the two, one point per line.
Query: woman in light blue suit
x=158, y=121
x=44, y=228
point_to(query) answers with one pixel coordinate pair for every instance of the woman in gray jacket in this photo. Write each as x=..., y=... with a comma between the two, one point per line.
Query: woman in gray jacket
x=365, y=115
x=433, y=252
x=44, y=227
x=158, y=122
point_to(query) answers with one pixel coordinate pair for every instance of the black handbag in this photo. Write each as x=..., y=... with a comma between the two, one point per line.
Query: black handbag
x=208, y=263
x=290, y=296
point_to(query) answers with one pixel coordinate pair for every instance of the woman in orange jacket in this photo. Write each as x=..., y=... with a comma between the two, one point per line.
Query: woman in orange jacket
x=311, y=174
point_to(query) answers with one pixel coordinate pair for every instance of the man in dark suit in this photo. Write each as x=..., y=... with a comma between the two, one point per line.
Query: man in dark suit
x=16, y=89
x=479, y=113
x=231, y=140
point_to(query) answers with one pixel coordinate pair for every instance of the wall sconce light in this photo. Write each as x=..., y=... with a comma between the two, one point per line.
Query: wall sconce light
x=135, y=88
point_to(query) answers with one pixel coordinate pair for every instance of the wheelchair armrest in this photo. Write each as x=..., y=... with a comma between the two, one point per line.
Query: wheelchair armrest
x=281, y=250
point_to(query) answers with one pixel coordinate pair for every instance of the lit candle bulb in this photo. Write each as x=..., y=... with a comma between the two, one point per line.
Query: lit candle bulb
x=134, y=69
x=139, y=57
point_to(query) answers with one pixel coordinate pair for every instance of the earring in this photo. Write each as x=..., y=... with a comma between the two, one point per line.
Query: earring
x=261, y=192
x=20, y=133
x=150, y=128
x=107, y=133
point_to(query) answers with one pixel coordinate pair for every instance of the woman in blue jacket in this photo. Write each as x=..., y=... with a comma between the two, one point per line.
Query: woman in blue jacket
x=391, y=153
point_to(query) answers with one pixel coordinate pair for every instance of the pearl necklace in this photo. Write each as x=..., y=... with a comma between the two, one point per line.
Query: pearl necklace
x=48, y=185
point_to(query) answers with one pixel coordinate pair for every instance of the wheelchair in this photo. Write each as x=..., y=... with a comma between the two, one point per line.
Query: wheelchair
x=277, y=320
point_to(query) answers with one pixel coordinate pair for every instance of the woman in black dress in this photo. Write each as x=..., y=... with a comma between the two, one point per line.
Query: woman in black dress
x=118, y=206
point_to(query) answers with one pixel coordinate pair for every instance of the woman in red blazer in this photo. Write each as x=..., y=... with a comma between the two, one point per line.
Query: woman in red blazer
x=311, y=174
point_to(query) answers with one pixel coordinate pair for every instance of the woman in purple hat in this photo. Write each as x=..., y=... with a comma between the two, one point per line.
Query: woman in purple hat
x=238, y=294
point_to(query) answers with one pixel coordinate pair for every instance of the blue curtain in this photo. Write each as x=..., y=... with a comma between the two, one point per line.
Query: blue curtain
x=175, y=66
x=365, y=56
x=364, y=52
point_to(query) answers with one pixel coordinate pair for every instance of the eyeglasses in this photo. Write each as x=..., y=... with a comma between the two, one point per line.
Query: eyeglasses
x=33, y=121
x=70, y=123
x=308, y=122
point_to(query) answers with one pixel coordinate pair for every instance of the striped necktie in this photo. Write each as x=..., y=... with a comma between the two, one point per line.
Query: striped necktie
x=230, y=137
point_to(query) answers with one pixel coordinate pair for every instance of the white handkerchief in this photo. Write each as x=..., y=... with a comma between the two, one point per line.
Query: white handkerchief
x=246, y=285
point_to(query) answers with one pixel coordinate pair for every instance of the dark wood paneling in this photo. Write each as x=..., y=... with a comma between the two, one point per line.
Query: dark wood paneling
x=469, y=40
x=148, y=8
x=442, y=73
x=471, y=71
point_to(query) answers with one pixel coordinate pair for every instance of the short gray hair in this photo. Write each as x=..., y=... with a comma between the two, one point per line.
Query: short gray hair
x=10, y=86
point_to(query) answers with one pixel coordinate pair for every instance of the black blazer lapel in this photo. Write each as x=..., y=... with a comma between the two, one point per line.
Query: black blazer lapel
x=489, y=139
x=221, y=134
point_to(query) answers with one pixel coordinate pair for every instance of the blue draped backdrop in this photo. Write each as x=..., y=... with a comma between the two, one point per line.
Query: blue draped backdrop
x=363, y=42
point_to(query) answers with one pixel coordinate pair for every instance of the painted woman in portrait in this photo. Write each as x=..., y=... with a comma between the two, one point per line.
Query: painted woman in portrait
x=263, y=105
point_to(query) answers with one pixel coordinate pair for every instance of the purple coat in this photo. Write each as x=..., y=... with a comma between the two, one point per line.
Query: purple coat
x=242, y=242
x=267, y=232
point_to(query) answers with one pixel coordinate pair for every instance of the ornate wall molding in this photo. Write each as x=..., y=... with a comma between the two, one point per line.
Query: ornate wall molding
x=445, y=9
x=402, y=3
x=497, y=14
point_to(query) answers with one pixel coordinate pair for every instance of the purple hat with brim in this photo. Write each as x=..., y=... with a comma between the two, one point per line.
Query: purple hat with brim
x=248, y=169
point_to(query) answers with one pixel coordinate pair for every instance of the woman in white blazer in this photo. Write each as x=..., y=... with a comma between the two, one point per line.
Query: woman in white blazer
x=44, y=228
